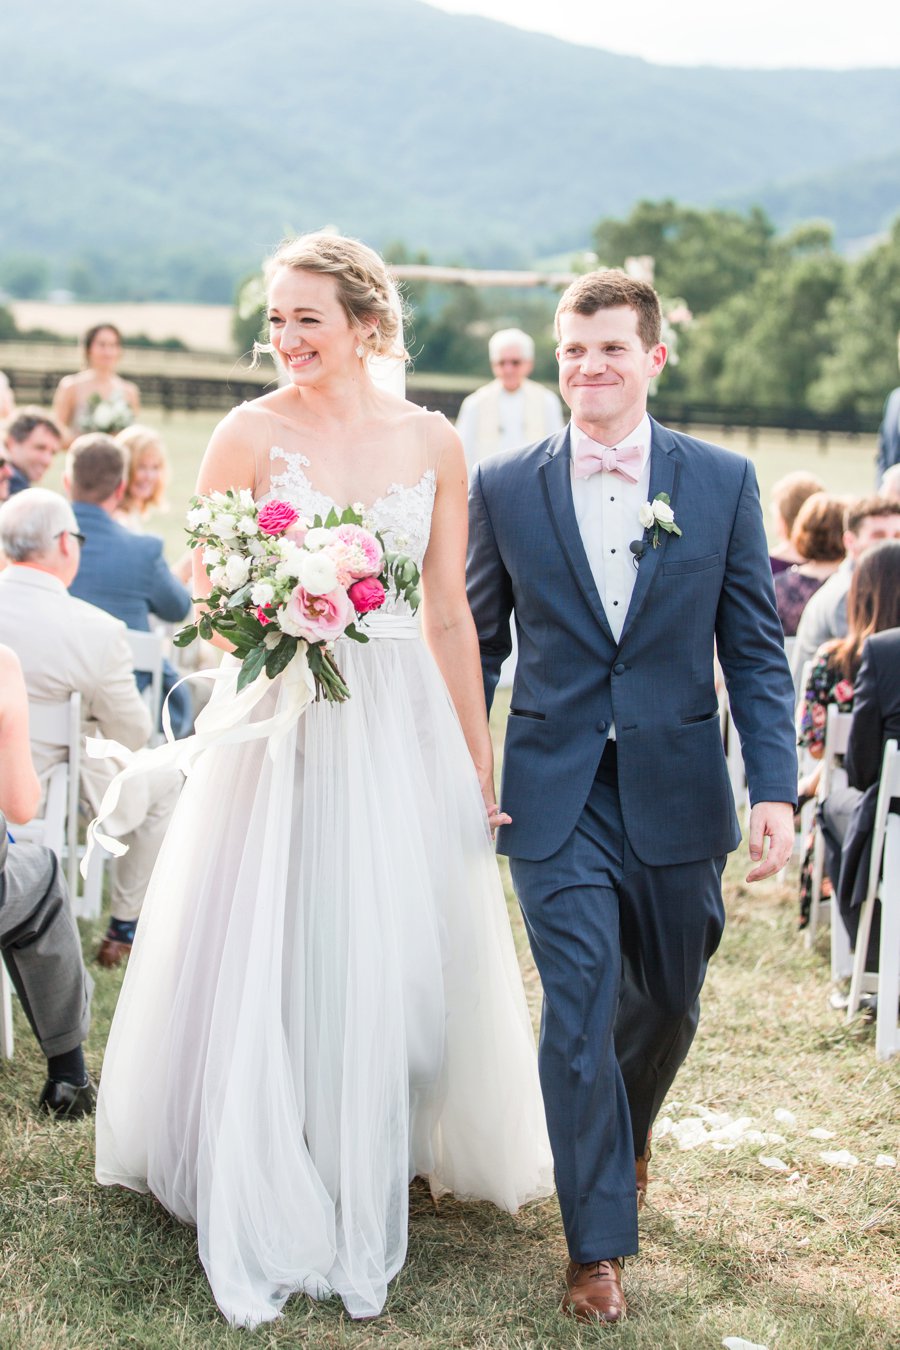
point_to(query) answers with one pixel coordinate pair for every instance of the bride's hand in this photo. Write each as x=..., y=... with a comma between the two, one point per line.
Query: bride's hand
x=495, y=816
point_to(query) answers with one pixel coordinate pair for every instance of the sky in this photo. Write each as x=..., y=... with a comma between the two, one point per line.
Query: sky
x=763, y=34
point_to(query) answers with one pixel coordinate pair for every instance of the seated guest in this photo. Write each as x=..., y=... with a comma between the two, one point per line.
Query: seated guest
x=817, y=537
x=866, y=521
x=32, y=439
x=890, y=484
x=788, y=495
x=873, y=605
x=122, y=572
x=64, y=645
x=38, y=935
x=145, y=491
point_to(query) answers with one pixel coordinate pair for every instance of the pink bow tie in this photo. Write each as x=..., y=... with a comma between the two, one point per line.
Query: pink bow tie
x=625, y=460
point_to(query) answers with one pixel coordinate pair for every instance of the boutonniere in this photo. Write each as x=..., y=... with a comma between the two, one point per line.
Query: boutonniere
x=658, y=515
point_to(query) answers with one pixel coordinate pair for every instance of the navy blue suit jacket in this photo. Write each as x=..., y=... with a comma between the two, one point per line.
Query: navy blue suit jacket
x=125, y=573
x=708, y=590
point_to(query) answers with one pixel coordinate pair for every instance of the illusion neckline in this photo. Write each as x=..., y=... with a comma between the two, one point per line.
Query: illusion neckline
x=392, y=490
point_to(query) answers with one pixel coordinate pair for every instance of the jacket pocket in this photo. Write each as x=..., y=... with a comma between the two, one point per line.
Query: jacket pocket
x=680, y=566
x=700, y=717
x=524, y=712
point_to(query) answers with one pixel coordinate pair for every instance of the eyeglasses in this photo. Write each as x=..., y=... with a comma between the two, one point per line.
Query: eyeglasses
x=73, y=534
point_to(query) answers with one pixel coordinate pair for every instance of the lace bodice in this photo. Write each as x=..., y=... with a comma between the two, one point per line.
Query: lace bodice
x=401, y=515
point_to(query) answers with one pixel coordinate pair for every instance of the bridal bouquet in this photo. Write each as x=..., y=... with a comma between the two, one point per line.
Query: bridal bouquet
x=283, y=587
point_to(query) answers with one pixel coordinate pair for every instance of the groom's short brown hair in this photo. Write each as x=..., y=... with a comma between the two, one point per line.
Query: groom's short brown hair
x=608, y=289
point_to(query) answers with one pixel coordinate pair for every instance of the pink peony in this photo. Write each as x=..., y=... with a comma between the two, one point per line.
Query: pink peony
x=276, y=517
x=367, y=594
x=368, y=546
x=318, y=618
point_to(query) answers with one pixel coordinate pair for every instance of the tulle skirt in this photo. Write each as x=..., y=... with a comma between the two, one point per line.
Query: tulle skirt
x=324, y=1000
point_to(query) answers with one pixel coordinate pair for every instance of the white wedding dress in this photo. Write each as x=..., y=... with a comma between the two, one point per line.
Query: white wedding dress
x=323, y=999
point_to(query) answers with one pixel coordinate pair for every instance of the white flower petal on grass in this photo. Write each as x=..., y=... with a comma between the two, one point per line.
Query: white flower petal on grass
x=785, y=1117
x=775, y=1163
x=738, y=1343
x=819, y=1133
x=715, y=1118
x=885, y=1160
x=839, y=1157
x=662, y=1127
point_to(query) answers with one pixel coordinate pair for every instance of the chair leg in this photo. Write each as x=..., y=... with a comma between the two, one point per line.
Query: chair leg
x=887, y=1040
x=6, y=1018
x=859, y=957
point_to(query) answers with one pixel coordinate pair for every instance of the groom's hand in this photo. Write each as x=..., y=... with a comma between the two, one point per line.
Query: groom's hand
x=773, y=821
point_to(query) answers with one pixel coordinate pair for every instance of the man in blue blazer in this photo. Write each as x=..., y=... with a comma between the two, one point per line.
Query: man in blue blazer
x=122, y=572
x=630, y=556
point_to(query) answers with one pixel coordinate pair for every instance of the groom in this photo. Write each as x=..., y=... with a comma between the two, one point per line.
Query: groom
x=631, y=555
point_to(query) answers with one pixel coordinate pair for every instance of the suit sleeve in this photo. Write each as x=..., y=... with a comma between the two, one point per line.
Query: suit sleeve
x=168, y=598
x=863, y=758
x=750, y=645
x=490, y=589
x=114, y=702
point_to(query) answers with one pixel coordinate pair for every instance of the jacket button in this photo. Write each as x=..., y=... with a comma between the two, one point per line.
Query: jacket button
x=601, y=726
x=619, y=669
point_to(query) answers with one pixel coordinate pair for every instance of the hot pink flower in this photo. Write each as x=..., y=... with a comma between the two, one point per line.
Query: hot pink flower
x=318, y=618
x=367, y=594
x=276, y=517
x=368, y=546
x=843, y=692
x=262, y=616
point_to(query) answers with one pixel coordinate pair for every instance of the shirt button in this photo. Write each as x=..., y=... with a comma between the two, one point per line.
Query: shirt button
x=619, y=668
x=615, y=602
x=612, y=550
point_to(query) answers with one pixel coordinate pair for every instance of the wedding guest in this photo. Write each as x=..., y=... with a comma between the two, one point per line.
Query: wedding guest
x=890, y=484
x=145, y=490
x=64, y=645
x=817, y=537
x=613, y=769
x=788, y=495
x=889, y=431
x=97, y=398
x=6, y=473
x=123, y=572
x=38, y=935
x=32, y=439
x=866, y=521
x=512, y=410
x=7, y=398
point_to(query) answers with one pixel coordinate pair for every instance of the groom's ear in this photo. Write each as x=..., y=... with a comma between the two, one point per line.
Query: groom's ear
x=658, y=357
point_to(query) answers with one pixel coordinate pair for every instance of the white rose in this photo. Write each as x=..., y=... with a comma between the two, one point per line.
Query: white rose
x=246, y=497
x=317, y=538
x=663, y=512
x=255, y=548
x=646, y=516
x=224, y=527
x=263, y=593
x=103, y=416
x=217, y=576
x=291, y=560
x=247, y=525
x=201, y=515
x=318, y=574
x=237, y=570
x=212, y=557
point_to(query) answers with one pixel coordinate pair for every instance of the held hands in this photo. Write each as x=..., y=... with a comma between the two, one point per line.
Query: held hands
x=495, y=816
x=773, y=821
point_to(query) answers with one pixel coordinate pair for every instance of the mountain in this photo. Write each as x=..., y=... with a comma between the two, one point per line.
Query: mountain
x=164, y=134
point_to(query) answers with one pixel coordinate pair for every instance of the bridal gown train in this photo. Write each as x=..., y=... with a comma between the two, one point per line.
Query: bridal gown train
x=323, y=999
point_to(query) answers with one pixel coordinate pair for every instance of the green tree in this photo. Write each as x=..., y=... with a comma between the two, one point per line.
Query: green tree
x=703, y=256
x=24, y=275
x=860, y=366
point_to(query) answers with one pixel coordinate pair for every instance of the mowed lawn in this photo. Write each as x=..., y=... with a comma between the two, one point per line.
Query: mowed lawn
x=756, y=1227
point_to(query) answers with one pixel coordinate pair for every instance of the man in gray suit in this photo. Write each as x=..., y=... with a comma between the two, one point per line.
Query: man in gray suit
x=65, y=644
x=630, y=555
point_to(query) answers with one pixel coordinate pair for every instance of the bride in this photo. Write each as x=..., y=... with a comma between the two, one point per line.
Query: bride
x=323, y=1000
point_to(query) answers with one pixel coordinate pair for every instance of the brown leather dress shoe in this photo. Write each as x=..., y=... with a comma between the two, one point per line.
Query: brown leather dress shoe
x=594, y=1292
x=642, y=1175
x=111, y=952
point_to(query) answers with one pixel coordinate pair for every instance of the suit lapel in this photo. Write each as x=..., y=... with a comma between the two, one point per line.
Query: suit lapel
x=664, y=469
x=556, y=476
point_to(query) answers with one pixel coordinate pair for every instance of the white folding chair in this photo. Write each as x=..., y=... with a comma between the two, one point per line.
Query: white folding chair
x=147, y=659
x=883, y=882
x=6, y=1022
x=837, y=735
x=58, y=726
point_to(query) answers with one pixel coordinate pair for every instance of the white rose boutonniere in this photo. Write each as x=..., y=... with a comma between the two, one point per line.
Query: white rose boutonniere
x=658, y=515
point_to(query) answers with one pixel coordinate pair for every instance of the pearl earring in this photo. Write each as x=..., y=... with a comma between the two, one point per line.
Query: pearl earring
x=360, y=350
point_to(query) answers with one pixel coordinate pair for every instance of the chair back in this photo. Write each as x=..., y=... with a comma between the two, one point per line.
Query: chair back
x=147, y=659
x=58, y=726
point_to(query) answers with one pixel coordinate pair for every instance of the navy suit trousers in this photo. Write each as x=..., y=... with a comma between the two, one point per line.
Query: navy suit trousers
x=622, y=950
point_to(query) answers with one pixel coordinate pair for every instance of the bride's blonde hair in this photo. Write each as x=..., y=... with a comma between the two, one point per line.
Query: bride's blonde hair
x=364, y=287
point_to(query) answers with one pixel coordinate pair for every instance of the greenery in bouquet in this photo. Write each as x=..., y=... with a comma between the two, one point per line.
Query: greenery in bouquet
x=282, y=587
x=110, y=415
